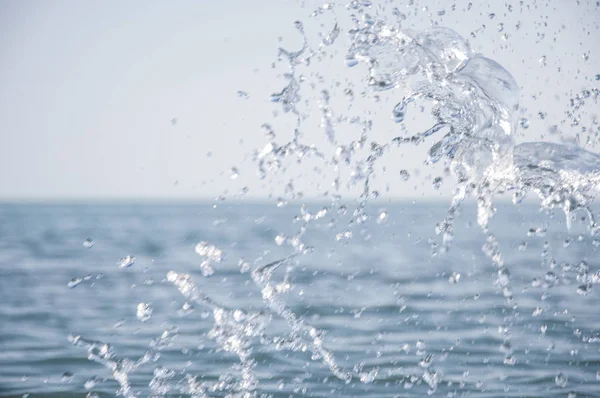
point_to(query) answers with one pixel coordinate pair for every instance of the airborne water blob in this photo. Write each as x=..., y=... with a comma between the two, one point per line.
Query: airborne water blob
x=74, y=282
x=144, y=312
x=126, y=261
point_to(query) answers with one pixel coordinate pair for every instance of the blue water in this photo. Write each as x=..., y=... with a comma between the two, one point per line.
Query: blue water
x=380, y=297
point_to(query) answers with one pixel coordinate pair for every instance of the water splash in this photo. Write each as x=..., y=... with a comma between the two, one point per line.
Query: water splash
x=104, y=354
x=473, y=102
x=303, y=336
x=233, y=331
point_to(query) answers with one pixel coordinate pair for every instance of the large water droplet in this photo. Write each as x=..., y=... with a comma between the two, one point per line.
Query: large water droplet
x=74, y=282
x=126, y=261
x=144, y=312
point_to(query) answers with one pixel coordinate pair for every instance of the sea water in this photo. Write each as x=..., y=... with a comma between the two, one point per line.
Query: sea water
x=389, y=308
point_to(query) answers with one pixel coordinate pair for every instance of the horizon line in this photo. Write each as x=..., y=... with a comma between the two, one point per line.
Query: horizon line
x=205, y=200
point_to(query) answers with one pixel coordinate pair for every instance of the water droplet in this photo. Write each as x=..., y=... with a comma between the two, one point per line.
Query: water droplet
x=206, y=268
x=584, y=290
x=88, y=243
x=510, y=360
x=66, y=377
x=540, y=231
x=281, y=202
x=369, y=377
x=119, y=323
x=551, y=277
x=332, y=35
x=126, y=261
x=350, y=61
x=426, y=361
x=144, y=312
x=382, y=218
x=280, y=239
x=399, y=111
x=266, y=150
x=91, y=383
x=561, y=380
x=437, y=182
x=243, y=94
x=234, y=173
x=524, y=123
x=174, y=121
x=537, y=311
x=92, y=395
x=211, y=252
x=244, y=266
x=500, y=27
x=404, y=174
x=492, y=15
x=74, y=282
x=432, y=379
x=454, y=278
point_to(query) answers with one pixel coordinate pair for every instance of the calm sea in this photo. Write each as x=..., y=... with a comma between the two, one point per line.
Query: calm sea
x=394, y=310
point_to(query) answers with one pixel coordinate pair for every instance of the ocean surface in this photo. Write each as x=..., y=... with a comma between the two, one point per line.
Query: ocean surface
x=396, y=312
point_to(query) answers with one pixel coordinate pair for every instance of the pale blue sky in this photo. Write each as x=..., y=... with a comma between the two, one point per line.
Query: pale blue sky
x=88, y=88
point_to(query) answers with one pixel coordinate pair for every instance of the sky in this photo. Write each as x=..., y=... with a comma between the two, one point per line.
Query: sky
x=139, y=99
